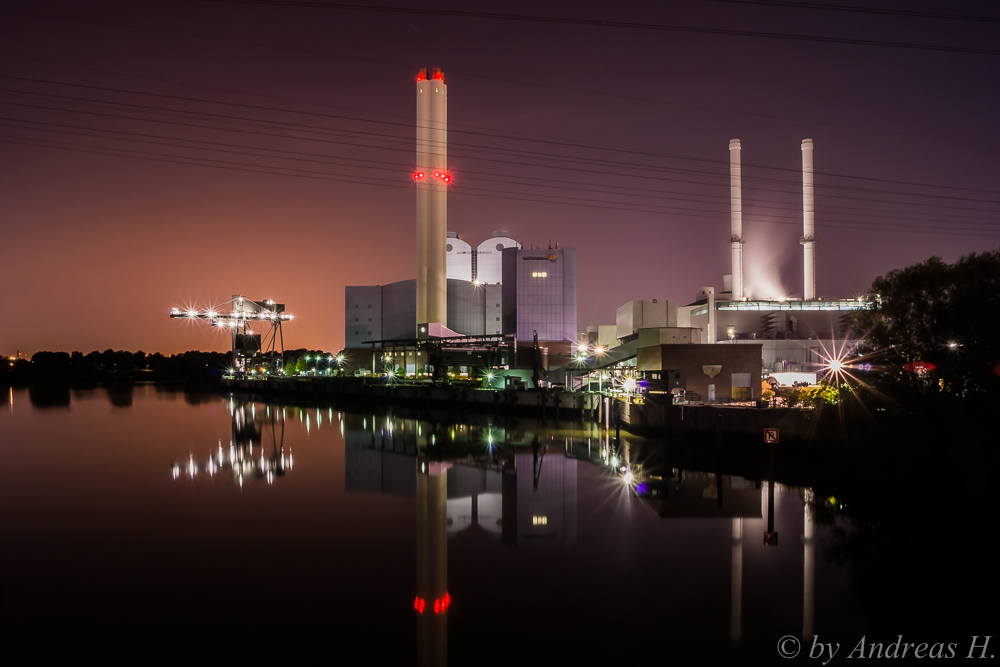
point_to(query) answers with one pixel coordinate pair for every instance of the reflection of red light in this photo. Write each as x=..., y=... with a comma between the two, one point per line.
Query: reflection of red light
x=418, y=604
x=919, y=367
x=437, y=606
x=447, y=600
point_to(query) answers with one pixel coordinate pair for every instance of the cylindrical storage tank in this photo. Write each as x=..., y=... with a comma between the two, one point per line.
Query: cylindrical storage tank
x=489, y=265
x=459, y=258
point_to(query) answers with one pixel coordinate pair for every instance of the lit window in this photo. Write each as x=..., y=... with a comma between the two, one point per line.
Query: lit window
x=539, y=520
x=539, y=274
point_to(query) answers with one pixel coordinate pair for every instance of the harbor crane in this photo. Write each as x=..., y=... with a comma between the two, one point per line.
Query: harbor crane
x=252, y=352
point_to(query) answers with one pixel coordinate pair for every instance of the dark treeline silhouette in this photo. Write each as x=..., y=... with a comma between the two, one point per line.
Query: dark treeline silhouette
x=920, y=436
x=122, y=367
x=112, y=367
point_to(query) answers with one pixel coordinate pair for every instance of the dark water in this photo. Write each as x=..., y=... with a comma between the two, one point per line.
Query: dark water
x=156, y=525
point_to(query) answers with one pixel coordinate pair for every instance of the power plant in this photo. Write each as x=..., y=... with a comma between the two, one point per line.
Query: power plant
x=487, y=300
x=496, y=291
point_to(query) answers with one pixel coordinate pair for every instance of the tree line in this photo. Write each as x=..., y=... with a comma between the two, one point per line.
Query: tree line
x=122, y=366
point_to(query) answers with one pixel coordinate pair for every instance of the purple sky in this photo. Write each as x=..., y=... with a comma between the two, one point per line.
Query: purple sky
x=95, y=246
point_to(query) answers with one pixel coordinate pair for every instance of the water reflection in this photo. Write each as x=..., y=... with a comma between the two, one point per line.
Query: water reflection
x=519, y=498
x=240, y=460
x=119, y=395
x=48, y=396
x=518, y=485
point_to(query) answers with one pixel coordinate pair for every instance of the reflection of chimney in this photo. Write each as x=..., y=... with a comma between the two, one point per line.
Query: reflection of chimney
x=736, y=204
x=736, y=581
x=808, y=239
x=432, y=598
x=432, y=197
x=808, y=568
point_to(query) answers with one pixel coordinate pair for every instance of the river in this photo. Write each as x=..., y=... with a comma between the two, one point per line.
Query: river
x=153, y=524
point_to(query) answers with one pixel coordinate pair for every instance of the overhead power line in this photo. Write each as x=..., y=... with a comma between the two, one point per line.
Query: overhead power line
x=634, y=25
x=908, y=13
x=410, y=125
x=408, y=148
x=490, y=193
x=520, y=81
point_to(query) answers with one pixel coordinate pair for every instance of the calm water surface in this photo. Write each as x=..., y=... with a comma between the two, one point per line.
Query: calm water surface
x=157, y=525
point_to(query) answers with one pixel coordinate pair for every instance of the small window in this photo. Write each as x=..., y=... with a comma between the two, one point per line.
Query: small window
x=356, y=306
x=369, y=306
x=498, y=319
x=498, y=305
x=355, y=319
x=369, y=319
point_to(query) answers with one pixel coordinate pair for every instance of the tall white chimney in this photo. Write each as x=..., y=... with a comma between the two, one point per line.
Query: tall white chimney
x=736, y=203
x=432, y=180
x=808, y=239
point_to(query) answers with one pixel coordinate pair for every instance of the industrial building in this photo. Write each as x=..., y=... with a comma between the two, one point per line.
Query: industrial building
x=495, y=288
x=481, y=265
x=388, y=312
x=794, y=336
x=512, y=295
x=533, y=292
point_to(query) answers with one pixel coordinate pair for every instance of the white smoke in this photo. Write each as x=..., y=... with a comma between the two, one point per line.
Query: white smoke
x=766, y=253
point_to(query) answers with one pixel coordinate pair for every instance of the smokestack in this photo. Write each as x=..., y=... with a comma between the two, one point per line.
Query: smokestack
x=736, y=202
x=808, y=239
x=432, y=180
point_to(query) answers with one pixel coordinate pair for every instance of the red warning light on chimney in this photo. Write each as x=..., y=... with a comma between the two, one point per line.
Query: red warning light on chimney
x=440, y=605
x=419, y=176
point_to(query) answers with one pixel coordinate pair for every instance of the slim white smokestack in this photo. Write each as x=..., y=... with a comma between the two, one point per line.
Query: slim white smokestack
x=808, y=239
x=432, y=180
x=736, y=199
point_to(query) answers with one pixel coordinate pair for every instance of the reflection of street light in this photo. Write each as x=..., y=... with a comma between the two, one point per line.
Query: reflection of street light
x=628, y=478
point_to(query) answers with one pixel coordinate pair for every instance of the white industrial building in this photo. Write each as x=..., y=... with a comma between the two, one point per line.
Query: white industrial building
x=483, y=264
x=494, y=288
x=796, y=335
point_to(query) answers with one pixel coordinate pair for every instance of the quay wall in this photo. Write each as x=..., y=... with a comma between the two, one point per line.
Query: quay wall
x=648, y=419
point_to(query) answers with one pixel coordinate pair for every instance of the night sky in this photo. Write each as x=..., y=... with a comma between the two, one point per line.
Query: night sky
x=161, y=154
